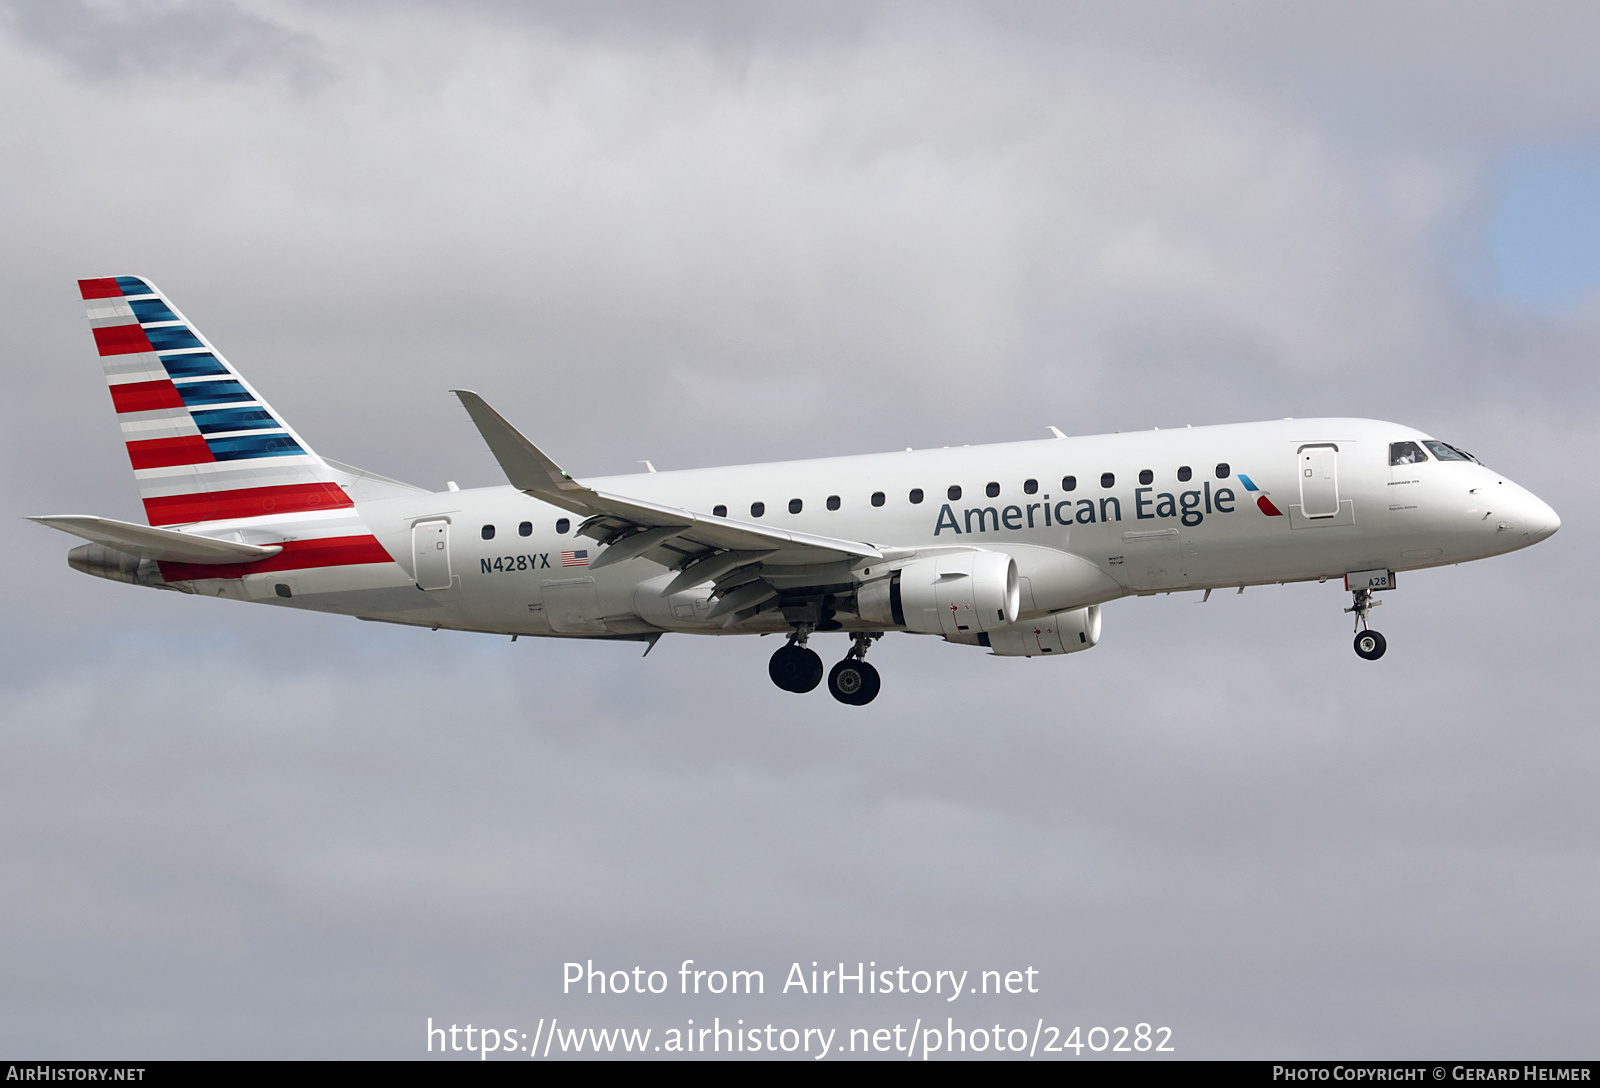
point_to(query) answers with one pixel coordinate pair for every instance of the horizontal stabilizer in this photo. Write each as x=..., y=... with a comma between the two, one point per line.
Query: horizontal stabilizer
x=165, y=545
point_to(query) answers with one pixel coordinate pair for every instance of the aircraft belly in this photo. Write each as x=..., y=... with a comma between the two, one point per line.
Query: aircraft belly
x=330, y=582
x=1058, y=580
x=1150, y=560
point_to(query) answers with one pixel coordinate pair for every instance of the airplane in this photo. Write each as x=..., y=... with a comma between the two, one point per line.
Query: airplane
x=1012, y=547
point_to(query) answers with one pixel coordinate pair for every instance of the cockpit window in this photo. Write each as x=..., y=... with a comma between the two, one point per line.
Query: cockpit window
x=1446, y=452
x=1406, y=453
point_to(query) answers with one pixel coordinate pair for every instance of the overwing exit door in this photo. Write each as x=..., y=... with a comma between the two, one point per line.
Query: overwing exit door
x=1319, y=481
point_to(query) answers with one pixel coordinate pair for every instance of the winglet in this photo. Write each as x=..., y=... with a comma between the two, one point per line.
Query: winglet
x=525, y=465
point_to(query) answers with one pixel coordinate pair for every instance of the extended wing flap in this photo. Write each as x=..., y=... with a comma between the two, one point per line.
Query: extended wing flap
x=166, y=545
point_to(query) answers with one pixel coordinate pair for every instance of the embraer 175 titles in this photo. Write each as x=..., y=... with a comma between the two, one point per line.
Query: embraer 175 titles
x=1012, y=547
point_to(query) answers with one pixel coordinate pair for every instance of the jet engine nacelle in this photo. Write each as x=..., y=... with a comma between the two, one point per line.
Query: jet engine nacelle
x=956, y=594
x=1062, y=633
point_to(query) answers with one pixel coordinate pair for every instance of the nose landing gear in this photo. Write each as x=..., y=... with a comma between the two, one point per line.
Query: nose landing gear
x=1369, y=644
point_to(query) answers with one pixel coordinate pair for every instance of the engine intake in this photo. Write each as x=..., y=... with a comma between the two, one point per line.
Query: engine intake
x=956, y=594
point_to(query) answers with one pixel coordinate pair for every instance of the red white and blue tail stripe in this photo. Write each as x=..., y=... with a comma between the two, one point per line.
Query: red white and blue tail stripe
x=204, y=445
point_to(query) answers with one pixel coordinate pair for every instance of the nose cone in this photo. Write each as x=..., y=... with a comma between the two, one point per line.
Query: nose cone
x=1541, y=521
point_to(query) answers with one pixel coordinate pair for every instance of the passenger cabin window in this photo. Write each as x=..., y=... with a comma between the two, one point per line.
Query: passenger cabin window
x=719, y=511
x=562, y=525
x=1069, y=483
x=916, y=495
x=795, y=506
x=1030, y=487
x=1446, y=452
x=1108, y=479
x=1224, y=470
x=1146, y=476
x=954, y=492
x=833, y=502
x=1185, y=474
x=992, y=490
x=488, y=532
x=757, y=509
x=1406, y=453
x=877, y=498
x=525, y=529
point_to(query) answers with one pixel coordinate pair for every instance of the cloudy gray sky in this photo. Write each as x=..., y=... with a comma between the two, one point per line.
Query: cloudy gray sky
x=724, y=232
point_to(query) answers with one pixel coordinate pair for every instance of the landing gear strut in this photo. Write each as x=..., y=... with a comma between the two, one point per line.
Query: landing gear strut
x=853, y=681
x=795, y=667
x=1369, y=644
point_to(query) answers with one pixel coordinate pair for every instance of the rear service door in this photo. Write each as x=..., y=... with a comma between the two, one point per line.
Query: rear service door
x=430, y=553
x=1319, y=481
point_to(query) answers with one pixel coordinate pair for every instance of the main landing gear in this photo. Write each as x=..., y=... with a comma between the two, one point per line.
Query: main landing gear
x=795, y=667
x=852, y=681
x=1369, y=644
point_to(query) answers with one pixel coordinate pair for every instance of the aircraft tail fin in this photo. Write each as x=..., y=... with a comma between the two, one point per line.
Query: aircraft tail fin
x=204, y=445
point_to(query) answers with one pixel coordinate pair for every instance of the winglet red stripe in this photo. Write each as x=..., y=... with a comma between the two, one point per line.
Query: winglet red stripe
x=145, y=396
x=121, y=340
x=189, y=449
x=102, y=288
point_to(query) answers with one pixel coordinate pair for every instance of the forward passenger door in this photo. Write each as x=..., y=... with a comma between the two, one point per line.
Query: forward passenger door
x=1319, y=481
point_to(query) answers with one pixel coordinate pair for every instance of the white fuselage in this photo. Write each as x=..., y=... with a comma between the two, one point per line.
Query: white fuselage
x=1347, y=509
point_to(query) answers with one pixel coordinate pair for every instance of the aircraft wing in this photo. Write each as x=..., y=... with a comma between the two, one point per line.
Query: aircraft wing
x=148, y=542
x=668, y=535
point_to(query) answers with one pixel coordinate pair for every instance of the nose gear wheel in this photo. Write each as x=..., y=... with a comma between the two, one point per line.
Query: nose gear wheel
x=1369, y=644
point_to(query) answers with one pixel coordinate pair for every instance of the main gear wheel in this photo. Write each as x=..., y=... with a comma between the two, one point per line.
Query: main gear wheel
x=854, y=682
x=795, y=668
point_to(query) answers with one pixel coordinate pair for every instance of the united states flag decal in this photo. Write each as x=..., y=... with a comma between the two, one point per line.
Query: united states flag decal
x=579, y=558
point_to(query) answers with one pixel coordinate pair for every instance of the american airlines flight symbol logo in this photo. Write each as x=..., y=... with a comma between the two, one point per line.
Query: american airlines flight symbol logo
x=1263, y=503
